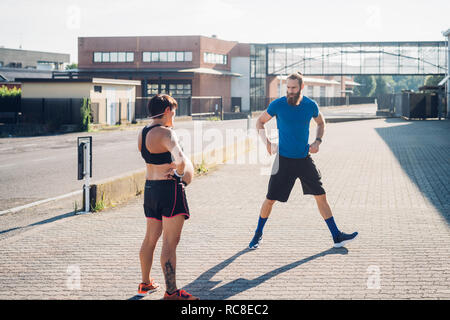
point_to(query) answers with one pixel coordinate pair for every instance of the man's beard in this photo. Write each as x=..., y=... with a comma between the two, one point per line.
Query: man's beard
x=293, y=98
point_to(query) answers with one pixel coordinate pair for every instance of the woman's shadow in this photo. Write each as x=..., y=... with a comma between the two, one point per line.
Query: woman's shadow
x=202, y=287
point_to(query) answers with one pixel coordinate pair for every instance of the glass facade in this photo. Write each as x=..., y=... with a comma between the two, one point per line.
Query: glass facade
x=352, y=58
x=394, y=58
x=258, y=99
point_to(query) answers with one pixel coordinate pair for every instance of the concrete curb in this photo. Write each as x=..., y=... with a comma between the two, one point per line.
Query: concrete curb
x=345, y=119
x=122, y=188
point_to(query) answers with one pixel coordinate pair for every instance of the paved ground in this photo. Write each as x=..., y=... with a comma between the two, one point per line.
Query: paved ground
x=387, y=179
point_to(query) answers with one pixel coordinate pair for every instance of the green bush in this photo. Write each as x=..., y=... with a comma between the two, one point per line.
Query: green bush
x=85, y=115
x=6, y=92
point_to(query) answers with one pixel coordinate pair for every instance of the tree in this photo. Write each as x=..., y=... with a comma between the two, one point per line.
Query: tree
x=433, y=80
x=385, y=85
x=367, y=88
x=407, y=83
x=72, y=66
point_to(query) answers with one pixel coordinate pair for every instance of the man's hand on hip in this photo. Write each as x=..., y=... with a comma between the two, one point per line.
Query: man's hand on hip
x=272, y=148
x=314, y=147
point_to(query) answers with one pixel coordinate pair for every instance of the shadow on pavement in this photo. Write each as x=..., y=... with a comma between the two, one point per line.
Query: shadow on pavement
x=422, y=150
x=202, y=287
x=62, y=216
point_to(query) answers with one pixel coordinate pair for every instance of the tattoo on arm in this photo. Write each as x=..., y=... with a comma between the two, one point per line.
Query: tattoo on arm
x=169, y=275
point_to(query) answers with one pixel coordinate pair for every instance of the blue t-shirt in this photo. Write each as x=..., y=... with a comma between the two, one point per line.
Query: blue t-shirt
x=293, y=125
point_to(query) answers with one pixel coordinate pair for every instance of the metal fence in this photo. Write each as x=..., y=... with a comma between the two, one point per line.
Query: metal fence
x=9, y=109
x=141, y=107
x=195, y=106
x=51, y=112
x=261, y=103
x=65, y=111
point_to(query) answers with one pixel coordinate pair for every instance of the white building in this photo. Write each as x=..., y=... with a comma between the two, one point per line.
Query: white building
x=447, y=34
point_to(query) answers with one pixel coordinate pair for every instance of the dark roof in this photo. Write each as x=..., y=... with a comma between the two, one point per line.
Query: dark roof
x=12, y=74
x=85, y=79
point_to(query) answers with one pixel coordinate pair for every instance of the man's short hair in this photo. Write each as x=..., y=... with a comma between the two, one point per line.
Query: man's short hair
x=159, y=103
x=297, y=76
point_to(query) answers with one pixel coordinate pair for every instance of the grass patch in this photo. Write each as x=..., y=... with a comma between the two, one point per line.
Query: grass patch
x=201, y=169
x=99, y=205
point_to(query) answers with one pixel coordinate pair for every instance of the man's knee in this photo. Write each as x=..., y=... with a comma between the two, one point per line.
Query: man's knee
x=270, y=202
x=322, y=198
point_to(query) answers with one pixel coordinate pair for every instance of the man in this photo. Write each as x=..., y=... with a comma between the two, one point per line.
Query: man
x=294, y=113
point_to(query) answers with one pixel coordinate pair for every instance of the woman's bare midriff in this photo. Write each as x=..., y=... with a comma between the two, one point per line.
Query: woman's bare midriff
x=159, y=171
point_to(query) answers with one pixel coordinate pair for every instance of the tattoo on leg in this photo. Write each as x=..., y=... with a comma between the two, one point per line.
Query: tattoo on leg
x=169, y=275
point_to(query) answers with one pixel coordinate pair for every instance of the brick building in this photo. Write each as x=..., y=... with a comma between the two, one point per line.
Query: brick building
x=182, y=66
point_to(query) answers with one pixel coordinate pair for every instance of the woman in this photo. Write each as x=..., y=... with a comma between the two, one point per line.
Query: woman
x=165, y=205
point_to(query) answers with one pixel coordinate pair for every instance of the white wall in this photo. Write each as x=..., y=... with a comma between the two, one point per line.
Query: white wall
x=56, y=89
x=448, y=81
x=240, y=86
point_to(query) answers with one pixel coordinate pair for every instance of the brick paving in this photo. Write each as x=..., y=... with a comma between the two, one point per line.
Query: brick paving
x=387, y=179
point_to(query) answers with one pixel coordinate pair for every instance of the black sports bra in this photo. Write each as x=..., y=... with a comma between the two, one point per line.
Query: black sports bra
x=153, y=158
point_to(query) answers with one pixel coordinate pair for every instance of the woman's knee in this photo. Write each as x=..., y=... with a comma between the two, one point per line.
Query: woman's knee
x=170, y=242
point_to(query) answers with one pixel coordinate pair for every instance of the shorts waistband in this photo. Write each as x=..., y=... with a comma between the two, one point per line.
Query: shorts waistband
x=294, y=159
x=159, y=182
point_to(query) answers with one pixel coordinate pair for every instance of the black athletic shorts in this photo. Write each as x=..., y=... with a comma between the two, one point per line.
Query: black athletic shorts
x=284, y=173
x=165, y=198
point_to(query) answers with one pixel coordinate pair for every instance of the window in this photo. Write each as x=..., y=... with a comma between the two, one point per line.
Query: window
x=215, y=58
x=98, y=89
x=180, y=89
x=130, y=56
x=146, y=56
x=105, y=57
x=163, y=56
x=173, y=89
x=171, y=56
x=113, y=56
x=167, y=56
x=97, y=57
x=322, y=91
x=46, y=65
x=152, y=89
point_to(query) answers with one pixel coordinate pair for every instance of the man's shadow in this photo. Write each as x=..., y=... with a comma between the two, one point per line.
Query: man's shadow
x=202, y=287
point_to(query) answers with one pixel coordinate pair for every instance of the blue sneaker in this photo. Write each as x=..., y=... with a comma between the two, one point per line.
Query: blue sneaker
x=344, y=238
x=257, y=239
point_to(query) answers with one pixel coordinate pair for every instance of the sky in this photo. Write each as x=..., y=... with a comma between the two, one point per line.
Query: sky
x=55, y=25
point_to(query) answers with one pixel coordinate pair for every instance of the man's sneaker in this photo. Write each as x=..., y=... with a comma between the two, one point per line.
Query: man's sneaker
x=179, y=295
x=343, y=238
x=147, y=288
x=257, y=239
